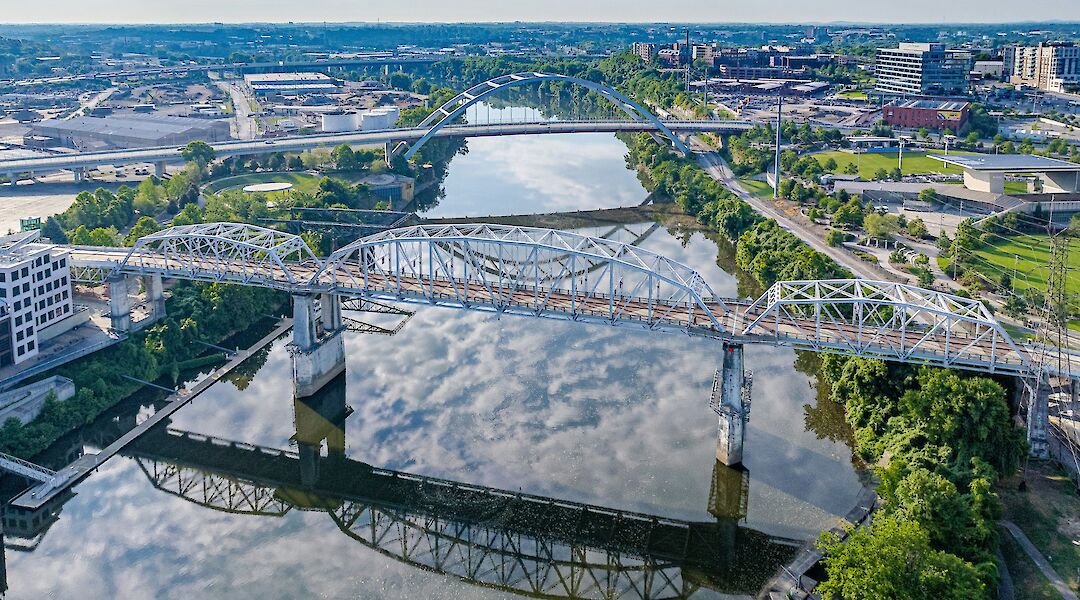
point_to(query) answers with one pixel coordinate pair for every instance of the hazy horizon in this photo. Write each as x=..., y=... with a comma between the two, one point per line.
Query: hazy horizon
x=779, y=12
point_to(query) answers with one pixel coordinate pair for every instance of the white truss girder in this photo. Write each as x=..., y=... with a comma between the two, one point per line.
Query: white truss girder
x=525, y=270
x=893, y=321
x=563, y=275
x=224, y=252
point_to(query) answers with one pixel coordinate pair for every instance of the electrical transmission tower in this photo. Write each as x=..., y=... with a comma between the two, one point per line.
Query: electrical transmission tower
x=1053, y=356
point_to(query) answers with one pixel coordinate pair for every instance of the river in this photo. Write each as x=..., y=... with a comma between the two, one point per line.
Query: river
x=565, y=414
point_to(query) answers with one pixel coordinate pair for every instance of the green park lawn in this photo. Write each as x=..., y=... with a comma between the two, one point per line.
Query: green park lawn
x=303, y=182
x=1016, y=187
x=915, y=163
x=853, y=95
x=759, y=189
x=1030, y=255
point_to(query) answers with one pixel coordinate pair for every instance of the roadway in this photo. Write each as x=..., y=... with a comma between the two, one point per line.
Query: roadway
x=244, y=125
x=171, y=154
x=719, y=170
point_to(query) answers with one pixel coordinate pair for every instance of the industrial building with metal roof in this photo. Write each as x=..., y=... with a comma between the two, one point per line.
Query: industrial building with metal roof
x=131, y=131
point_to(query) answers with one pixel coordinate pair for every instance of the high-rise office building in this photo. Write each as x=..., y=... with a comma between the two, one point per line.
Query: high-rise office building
x=923, y=69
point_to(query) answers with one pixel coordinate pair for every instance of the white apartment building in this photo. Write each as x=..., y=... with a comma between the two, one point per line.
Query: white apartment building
x=1050, y=66
x=35, y=293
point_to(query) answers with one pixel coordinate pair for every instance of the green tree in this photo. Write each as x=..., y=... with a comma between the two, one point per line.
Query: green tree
x=835, y=237
x=892, y=558
x=344, y=158
x=881, y=174
x=198, y=152
x=881, y=226
x=190, y=215
x=916, y=228
x=53, y=231
x=144, y=226
x=851, y=169
x=830, y=165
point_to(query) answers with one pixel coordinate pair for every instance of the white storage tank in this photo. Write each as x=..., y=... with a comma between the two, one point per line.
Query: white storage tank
x=381, y=118
x=339, y=122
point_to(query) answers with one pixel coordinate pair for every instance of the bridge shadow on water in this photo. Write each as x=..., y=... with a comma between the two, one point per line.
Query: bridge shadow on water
x=510, y=541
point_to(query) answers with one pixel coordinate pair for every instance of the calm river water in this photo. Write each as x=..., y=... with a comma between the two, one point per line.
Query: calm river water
x=564, y=414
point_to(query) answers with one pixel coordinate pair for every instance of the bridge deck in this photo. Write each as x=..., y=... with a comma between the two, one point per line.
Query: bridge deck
x=733, y=316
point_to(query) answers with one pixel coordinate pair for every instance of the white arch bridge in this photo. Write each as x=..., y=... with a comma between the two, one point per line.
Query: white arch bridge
x=558, y=275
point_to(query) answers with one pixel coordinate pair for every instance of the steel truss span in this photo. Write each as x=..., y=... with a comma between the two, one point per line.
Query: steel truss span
x=224, y=252
x=892, y=321
x=447, y=113
x=527, y=271
x=555, y=274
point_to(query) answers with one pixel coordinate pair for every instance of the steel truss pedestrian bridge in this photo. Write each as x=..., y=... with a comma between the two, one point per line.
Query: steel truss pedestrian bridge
x=560, y=275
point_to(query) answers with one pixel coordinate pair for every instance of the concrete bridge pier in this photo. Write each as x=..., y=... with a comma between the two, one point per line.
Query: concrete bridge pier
x=79, y=174
x=318, y=349
x=159, y=169
x=728, y=403
x=388, y=152
x=119, y=304
x=155, y=296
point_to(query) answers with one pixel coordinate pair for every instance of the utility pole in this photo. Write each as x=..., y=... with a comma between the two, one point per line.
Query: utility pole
x=689, y=57
x=776, y=160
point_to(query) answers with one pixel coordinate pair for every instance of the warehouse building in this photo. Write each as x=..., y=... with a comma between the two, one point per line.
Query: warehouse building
x=130, y=131
x=291, y=84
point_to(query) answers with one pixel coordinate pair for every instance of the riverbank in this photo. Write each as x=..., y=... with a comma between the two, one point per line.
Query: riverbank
x=35, y=498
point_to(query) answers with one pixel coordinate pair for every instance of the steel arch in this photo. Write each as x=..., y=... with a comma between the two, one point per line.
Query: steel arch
x=524, y=270
x=449, y=111
x=886, y=320
x=225, y=252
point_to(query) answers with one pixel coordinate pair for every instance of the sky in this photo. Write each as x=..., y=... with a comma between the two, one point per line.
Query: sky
x=682, y=11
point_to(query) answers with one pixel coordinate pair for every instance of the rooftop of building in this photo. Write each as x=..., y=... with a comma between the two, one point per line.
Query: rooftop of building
x=19, y=247
x=141, y=125
x=1015, y=163
x=931, y=104
x=280, y=77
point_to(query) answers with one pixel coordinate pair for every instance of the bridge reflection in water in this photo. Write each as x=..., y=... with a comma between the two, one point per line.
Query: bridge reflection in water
x=510, y=541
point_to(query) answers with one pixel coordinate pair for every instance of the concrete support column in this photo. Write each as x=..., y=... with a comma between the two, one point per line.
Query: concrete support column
x=730, y=431
x=159, y=169
x=1037, y=395
x=331, y=312
x=388, y=150
x=119, y=304
x=318, y=349
x=79, y=173
x=155, y=296
x=1061, y=182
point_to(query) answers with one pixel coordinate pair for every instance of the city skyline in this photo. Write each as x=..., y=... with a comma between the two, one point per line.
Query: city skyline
x=629, y=11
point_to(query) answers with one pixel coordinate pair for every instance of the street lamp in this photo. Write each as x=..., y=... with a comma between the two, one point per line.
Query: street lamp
x=947, y=138
x=900, y=162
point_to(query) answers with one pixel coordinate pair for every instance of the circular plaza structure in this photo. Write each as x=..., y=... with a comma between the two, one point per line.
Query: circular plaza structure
x=268, y=187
